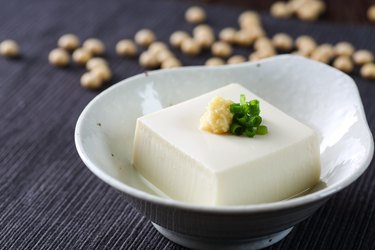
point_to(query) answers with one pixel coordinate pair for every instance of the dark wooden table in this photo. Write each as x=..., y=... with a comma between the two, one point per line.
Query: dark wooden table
x=343, y=11
x=48, y=198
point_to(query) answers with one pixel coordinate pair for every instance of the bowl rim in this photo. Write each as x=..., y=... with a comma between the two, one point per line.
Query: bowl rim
x=251, y=208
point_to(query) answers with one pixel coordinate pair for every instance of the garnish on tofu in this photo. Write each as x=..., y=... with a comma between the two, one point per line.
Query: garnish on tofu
x=241, y=118
x=246, y=118
x=217, y=118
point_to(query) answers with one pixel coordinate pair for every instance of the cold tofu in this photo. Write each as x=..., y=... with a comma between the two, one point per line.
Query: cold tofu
x=189, y=164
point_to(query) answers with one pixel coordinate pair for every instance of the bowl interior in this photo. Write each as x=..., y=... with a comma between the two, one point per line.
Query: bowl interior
x=317, y=95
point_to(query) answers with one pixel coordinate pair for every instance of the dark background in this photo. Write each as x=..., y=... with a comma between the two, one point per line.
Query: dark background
x=343, y=11
x=49, y=200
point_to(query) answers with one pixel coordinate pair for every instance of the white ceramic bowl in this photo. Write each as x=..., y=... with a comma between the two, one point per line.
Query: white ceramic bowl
x=316, y=94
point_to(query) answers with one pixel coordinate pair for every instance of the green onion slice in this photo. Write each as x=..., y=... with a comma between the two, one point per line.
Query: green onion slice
x=246, y=118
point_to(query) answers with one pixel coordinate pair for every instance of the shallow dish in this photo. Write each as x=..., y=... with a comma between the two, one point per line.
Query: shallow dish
x=316, y=94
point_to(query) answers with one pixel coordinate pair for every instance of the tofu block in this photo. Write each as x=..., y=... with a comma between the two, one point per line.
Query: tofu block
x=198, y=167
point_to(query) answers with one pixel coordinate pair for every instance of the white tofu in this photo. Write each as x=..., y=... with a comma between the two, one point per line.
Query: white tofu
x=195, y=166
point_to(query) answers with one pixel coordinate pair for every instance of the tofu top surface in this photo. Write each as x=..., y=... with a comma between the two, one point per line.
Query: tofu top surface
x=179, y=125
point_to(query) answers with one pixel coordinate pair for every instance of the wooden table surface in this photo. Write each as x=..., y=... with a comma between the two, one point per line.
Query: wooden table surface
x=343, y=11
x=48, y=198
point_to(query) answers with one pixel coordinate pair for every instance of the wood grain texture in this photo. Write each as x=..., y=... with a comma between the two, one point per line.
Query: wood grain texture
x=343, y=11
x=49, y=200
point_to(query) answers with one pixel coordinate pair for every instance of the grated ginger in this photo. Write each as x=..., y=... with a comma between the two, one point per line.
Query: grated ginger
x=217, y=118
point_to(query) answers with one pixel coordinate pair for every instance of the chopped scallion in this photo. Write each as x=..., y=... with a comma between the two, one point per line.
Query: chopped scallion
x=246, y=119
x=262, y=130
